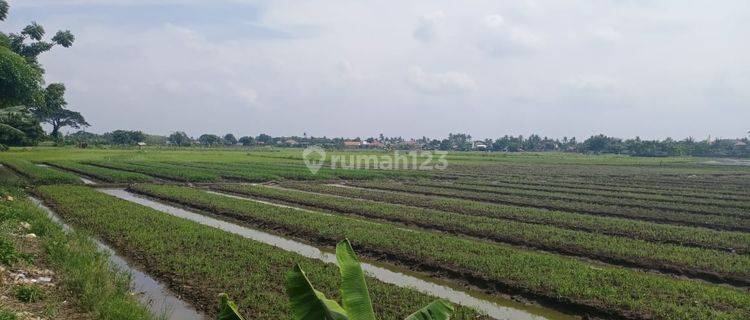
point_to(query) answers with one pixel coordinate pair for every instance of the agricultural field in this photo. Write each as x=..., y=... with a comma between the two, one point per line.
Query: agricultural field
x=553, y=235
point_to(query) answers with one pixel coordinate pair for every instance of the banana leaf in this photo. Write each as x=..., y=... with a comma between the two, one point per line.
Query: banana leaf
x=354, y=294
x=228, y=309
x=308, y=303
x=437, y=310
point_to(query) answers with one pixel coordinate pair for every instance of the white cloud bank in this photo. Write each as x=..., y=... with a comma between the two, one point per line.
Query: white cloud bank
x=654, y=69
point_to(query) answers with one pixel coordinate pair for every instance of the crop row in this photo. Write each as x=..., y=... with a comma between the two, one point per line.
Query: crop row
x=298, y=172
x=10, y=178
x=542, y=196
x=644, y=191
x=40, y=175
x=101, y=173
x=655, y=232
x=620, y=194
x=613, y=175
x=672, y=258
x=611, y=290
x=161, y=171
x=204, y=261
x=710, y=221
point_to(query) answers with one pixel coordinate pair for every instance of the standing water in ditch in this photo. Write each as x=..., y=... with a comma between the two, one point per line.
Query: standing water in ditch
x=495, y=307
x=85, y=181
x=160, y=300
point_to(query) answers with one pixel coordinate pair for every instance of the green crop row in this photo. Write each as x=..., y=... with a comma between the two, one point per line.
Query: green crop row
x=101, y=173
x=40, y=175
x=299, y=172
x=84, y=275
x=644, y=191
x=615, y=176
x=674, y=258
x=10, y=178
x=655, y=232
x=620, y=194
x=612, y=290
x=161, y=171
x=542, y=196
x=710, y=221
x=202, y=261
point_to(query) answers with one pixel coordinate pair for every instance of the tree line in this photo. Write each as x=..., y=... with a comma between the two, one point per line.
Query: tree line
x=597, y=144
x=25, y=101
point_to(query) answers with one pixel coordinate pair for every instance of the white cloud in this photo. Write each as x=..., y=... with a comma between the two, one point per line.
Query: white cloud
x=500, y=38
x=531, y=63
x=428, y=25
x=440, y=83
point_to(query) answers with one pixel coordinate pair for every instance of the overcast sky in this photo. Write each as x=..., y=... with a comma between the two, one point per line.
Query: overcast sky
x=403, y=68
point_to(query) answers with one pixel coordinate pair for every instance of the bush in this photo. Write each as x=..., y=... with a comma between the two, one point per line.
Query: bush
x=28, y=293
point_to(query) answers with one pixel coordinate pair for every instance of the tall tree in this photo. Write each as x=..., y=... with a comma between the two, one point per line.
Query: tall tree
x=229, y=139
x=52, y=110
x=21, y=81
x=179, y=138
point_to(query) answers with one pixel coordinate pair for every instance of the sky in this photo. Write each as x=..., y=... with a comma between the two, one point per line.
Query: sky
x=654, y=69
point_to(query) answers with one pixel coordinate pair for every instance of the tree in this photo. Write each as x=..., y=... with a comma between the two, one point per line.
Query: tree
x=21, y=80
x=264, y=138
x=52, y=110
x=19, y=129
x=209, y=140
x=125, y=137
x=179, y=138
x=247, y=141
x=229, y=139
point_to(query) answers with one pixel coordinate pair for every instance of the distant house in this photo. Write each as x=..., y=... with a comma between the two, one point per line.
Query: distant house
x=376, y=145
x=480, y=145
x=291, y=142
x=740, y=144
x=141, y=144
x=352, y=144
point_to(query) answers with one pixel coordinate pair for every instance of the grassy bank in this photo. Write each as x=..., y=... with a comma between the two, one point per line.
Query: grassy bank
x=83, y=274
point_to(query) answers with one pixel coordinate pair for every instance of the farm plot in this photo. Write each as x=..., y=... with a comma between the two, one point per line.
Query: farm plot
x=204, y=261
x=613, y=291
x=709, y=221
x=514, y=191
x=680, y=199
x=299, y=172
x=673, y=258
x=101, y=173
x=655, y=232
x=161, y=171
x=40, y=175
x=583, y=186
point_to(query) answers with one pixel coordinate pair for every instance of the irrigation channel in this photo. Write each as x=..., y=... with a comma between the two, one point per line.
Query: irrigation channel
x=162, y=302
x=85, y=181
x=493, y=306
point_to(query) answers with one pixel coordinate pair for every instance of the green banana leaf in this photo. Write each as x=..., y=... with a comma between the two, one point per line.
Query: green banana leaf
x=228, y=309
x=437, y=310
x=308, y=303
x=7, y=129
x=354, y=294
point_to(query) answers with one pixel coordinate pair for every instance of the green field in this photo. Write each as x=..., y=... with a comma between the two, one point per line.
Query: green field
x=606, y=236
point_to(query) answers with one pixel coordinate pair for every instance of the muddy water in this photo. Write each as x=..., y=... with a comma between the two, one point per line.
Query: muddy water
x=493, y=306
x=160, y=300
x=85, y=181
